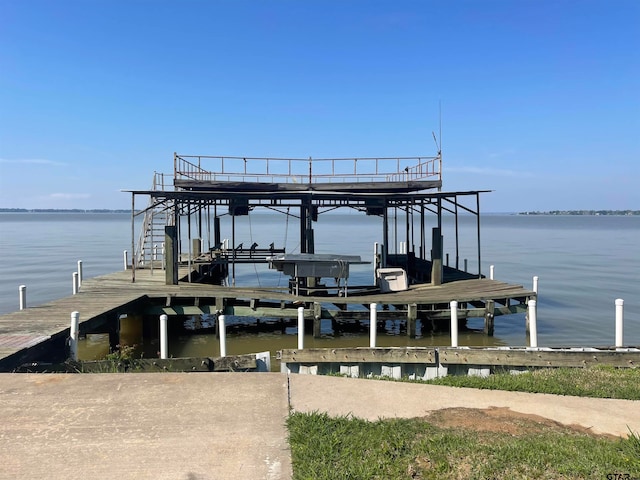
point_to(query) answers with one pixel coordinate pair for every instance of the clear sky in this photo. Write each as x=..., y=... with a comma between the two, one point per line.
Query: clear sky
x=540, y=99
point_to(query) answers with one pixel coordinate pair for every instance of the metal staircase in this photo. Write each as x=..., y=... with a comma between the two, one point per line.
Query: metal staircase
x=150, y=248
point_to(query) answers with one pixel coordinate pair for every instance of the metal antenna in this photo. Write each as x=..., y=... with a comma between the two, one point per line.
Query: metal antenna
x=440, y=125
x=435, y=139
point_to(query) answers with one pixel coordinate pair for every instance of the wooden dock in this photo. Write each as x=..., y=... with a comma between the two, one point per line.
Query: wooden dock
x=101, y=300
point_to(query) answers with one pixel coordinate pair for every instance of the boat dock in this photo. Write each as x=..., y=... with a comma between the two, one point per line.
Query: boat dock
x=184, y=262
x=102, y=300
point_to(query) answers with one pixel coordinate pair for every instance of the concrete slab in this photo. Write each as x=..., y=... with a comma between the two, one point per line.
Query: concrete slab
x=144, y=426
x=374, y=399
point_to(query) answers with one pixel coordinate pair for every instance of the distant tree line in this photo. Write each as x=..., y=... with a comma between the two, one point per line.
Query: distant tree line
x=584, y=212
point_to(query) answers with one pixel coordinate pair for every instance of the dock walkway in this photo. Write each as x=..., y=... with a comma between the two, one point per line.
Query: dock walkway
x=114, y=294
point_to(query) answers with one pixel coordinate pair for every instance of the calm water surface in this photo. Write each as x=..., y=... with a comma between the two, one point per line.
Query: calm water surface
x=584, y=264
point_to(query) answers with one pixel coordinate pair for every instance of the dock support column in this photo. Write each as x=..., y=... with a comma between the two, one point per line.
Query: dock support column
x=74, y=283
x=125, y=258
x=317, y=319
x=535, y=284
x=164, y=342
x=436, y=256
x=533, y=323
x=454, y=323
x=491, y=270
x=300, y=328
x=222, y=328
x=412, y=316
x=489, y=311
x=171, y=254
x=619, y=322
x=216, y=232
x=373, y=324
x=73, y=335
x=22, y=289
x=196, y=247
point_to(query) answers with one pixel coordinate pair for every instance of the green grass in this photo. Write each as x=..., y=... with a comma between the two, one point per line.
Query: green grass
x=348, y=448
x=599, y=382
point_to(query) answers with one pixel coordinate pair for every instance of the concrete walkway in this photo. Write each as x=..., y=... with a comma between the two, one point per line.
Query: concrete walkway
x=192, y=426
x=197, y=426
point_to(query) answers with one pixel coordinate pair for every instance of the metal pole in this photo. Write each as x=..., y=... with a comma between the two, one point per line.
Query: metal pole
x=73, y=335
x=222, y=329
x=619, y=322
x=22, y=289
x=164, y=341
x=457, y=236
x=385, y=236
x=300, y=328
x=133, y=233
x=189, y=252
x=233, y=248
x=533, y=323
x=373, y=324
x=478, y=217
x=375, y=262
x=454, y=323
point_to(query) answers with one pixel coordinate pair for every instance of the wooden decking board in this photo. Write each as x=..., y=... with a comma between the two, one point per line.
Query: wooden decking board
x=101, y=295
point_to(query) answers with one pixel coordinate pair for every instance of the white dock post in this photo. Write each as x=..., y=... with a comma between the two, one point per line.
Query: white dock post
x=79, y=273
x=74, y=285
x=126, y=260
x=73, y=335
x=533, y=323
x=535, y=284
x=300, y=328
x=155, y=252
x=22, y=289
x=373, y=324
x=164, y=339
x=454, y=323
x=619, y=322
x=222, y=329
x=491, y=270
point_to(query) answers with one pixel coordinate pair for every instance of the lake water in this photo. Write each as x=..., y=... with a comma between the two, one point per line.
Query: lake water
x=584, y=263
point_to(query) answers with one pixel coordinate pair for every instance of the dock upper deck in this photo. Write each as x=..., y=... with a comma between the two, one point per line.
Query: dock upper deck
x=267, y=175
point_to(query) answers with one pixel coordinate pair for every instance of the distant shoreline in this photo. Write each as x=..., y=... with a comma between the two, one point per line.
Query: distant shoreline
x=550, y=212
x=61, y=210
x=624, y=213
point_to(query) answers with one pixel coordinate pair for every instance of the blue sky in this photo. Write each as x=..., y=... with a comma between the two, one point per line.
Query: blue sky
x=540, y=99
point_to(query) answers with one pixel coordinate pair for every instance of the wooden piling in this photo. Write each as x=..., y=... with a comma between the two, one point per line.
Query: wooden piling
x=317, y=319
x=489, y=317
x=412, y=316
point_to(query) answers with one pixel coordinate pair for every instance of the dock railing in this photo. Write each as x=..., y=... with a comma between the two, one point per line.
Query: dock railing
x=306, y=171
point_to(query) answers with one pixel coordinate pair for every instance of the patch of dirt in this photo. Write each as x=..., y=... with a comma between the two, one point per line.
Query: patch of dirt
x=500, y=420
